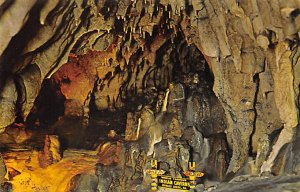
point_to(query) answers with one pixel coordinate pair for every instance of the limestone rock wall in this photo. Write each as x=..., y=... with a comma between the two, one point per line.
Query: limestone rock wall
x=249, y=47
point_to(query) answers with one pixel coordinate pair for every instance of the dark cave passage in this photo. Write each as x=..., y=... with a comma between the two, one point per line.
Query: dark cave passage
x=49, y=106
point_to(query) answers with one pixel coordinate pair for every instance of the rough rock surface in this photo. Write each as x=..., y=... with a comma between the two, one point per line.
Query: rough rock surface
x=289, y=183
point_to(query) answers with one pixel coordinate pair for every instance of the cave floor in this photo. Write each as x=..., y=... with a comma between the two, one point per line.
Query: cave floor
x=284, y=183
x=26, y=174
x=30, y=177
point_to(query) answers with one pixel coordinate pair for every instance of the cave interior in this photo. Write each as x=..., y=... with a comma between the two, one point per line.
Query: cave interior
x=91, y=92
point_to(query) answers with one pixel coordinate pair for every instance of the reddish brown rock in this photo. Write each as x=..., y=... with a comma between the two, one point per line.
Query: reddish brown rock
x=51, y=153
x=109, y=152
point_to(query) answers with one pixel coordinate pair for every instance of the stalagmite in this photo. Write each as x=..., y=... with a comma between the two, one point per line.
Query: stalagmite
x=164, y=107
x=138, y=129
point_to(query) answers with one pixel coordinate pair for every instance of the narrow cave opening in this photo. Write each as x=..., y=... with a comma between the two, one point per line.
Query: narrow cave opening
x=48, y=107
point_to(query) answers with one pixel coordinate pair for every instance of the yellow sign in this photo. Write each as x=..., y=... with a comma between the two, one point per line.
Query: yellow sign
x=196, y=174
x=173, y=183
x=160, y=180
x=155, y=172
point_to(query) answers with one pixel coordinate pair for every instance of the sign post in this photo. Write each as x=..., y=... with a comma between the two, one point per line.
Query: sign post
x=154, y=172
x=154, y=175
x=160, y=180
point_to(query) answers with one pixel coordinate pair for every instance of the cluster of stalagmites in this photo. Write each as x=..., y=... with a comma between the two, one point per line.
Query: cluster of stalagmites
x=173, y=130
x=251, y=48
